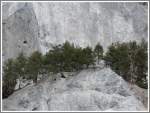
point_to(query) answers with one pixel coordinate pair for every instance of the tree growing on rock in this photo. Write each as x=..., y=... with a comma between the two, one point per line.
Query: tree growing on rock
x=141, y=62
x=130, y=61
x=98, y=50
x=88, y=56
x=20, y=66
x=34, y=66
x=9, y=78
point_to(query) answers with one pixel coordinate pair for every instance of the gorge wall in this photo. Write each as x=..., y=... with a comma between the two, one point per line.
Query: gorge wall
x=37, y=26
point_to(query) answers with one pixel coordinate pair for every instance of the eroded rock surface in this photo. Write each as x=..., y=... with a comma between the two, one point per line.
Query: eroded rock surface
x=36, y=26
x=90, y=90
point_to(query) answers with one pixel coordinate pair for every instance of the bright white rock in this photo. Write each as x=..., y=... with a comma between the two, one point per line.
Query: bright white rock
x=43, y=24
x=91, y=90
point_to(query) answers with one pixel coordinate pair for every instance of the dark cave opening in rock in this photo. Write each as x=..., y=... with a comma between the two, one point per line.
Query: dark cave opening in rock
x=25, y=42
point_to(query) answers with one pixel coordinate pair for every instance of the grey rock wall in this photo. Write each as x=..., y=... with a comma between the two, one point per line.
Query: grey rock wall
x=20, y=32
x=44, y=24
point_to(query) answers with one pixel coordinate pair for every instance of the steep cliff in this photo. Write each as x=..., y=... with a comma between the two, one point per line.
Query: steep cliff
x=36, y=26
x=20, y=32
x=28, y=26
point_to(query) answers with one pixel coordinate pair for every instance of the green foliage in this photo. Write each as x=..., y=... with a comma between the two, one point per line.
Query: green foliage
x=67, y=57
x=117, y=58
x=34, y=66
x=98, y=50
x=9, y=78
x=67, y=53
x=129, y=60
x=78, y=59
x=54, y=59
x=141, y=62
x=20, y=65
x=88, y=56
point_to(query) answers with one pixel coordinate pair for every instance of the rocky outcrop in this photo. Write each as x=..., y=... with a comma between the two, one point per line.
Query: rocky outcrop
x=36, y=26
x=27, y=27
x=91, y=90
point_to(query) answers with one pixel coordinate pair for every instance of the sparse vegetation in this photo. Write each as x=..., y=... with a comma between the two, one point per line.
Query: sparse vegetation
x=9, y=78
x=98, y=50
x=129, y=60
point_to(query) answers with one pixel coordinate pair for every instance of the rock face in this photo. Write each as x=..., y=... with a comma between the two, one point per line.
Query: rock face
x=91, y=90
x=36, y=26
x=27, y=27
x=20, y=32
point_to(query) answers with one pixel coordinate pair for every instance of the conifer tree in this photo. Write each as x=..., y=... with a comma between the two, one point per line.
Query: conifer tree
x=132, y=48
x=88, y=56
x=117, y=58
x=141, y=62
x=130, y=61
x=34, y=66
x=98, y=50
x=68, y=50
x=19, y=66
x=78, y=59
x=9, y=78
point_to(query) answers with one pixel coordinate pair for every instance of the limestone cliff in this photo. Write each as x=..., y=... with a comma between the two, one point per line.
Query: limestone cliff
x=36, y=26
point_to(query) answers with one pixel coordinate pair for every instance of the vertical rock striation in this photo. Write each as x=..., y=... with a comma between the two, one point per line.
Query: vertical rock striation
x=20, y=31
x=42, y=24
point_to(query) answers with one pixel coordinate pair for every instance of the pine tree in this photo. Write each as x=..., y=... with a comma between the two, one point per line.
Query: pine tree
x=68, y=52
x=19, y=66
x=130, y=61
x=78, y=59
x=141, y=61
x=132, y=48
x=117, y=58
x=98, y=51
x=34, y=66
x=9, y=78
x=88, y=56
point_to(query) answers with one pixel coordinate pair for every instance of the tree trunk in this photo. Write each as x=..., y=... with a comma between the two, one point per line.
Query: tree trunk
x=19, y=83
